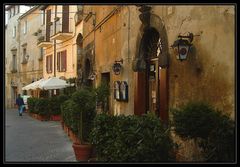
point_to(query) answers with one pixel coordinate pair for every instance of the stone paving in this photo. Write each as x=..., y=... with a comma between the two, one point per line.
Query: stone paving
x=30, y=140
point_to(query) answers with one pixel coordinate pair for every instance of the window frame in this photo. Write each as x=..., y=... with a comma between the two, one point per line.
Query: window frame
x=25, y=27
x=62, y=61
x=14, y=31
x=49, y=64
x=43, y=17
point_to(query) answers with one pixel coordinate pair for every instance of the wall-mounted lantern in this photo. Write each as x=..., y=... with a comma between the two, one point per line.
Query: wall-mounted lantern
x=117, y=67
x=182, y=46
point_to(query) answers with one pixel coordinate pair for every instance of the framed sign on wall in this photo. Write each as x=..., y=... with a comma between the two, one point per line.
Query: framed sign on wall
x=124, y=91
x=116, y=88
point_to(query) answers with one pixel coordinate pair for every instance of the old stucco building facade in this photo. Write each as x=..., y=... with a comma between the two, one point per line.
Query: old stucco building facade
x=156, y=79
x=31, y=57
x=59, y=41
x=17, y=37
x=91, y=39
x=118, y=34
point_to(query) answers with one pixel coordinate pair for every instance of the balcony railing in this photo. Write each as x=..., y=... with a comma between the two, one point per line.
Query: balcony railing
x=64, y=29
x=43, y=41
x=78, y=17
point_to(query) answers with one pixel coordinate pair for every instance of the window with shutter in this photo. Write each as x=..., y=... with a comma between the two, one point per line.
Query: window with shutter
x=65, y=18
x=48, y=21
x=64, y=54
x=50, y=63
x=47, y=64
x=58, y=61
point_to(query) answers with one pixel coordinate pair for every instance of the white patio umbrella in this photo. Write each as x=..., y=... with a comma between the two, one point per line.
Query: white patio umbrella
x=33, y=85
x=53, y=83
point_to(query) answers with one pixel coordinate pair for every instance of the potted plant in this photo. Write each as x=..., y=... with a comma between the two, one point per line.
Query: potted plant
x=54, y=107
x=42, y=109
x=85, y=114
x=102, y=93
x=132, y=138
x=209, y=128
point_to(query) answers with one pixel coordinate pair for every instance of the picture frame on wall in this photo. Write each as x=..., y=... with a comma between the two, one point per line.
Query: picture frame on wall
x=116, y=87
x=124, y=91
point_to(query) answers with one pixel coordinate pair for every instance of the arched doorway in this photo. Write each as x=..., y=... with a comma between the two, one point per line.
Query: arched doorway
x=87, y=71
x=151, y=82
x=79, y=42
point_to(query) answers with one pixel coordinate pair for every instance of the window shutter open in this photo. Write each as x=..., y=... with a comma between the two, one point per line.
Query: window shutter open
x=64, y=54
x=65, y=18
x=65, y=62
x=50, y=63
x=47, y=64
x=58, y=61
x=48, y=25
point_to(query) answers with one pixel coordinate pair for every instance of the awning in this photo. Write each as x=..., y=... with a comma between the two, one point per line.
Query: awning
x=53, y=83
x=33, y=85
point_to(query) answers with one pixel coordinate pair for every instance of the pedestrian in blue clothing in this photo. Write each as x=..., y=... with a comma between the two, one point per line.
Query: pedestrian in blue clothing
x=20, y=103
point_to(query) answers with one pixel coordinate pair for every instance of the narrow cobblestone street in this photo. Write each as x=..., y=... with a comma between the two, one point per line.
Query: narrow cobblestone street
x=30, y=140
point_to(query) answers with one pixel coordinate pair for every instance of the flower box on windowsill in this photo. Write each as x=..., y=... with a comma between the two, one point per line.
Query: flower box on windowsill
x=55, y=117
x=24, y=61
x=56, y=18
x=35, y=34
x=14, y=71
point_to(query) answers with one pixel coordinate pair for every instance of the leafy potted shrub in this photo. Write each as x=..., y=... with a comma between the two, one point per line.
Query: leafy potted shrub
x=85, y=113
x=31, y=106
x=54, y=106
x=131, y=139
x=212, y=131
x=69, y=111
x=102, y=93
x=42, y=109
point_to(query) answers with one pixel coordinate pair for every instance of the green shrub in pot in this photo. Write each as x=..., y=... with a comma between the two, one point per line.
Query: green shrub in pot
x=86, y=104
x=31, y=104
x=210, y=128
x=131, y=139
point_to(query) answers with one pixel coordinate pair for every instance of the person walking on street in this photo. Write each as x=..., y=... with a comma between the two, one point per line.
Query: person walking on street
x=20, y=103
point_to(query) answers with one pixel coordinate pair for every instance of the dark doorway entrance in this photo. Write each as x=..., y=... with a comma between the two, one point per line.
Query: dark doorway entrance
x=151, y=91
x=88, y=81
x=105, y=79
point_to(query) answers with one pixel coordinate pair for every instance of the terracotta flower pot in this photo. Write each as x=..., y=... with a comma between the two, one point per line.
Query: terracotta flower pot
x=35, y=116
x=82, y=151
x=70, y=134
x=62, y=124
x=42, y=117
x=55, y=117
x=75, y=139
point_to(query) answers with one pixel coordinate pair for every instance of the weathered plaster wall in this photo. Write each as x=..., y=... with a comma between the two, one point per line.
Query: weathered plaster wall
x=32, y=70
x=115, y=40
x=208, y=74
x=69, y=45
x=10, y=44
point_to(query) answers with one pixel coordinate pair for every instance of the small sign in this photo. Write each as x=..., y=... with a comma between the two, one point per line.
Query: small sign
x=117, y=90
x=124, y=91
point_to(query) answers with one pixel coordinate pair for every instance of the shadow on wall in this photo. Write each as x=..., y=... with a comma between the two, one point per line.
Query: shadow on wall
x=201, y=77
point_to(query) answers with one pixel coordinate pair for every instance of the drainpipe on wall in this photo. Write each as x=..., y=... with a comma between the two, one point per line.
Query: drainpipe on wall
x=94, y=24
x=18, y=37
x=128, y=32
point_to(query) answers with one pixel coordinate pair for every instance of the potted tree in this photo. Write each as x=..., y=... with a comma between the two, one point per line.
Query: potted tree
x=102, y=93
x=85, y=114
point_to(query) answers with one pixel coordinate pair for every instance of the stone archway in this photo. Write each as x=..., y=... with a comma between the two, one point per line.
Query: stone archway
x=152, y=34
